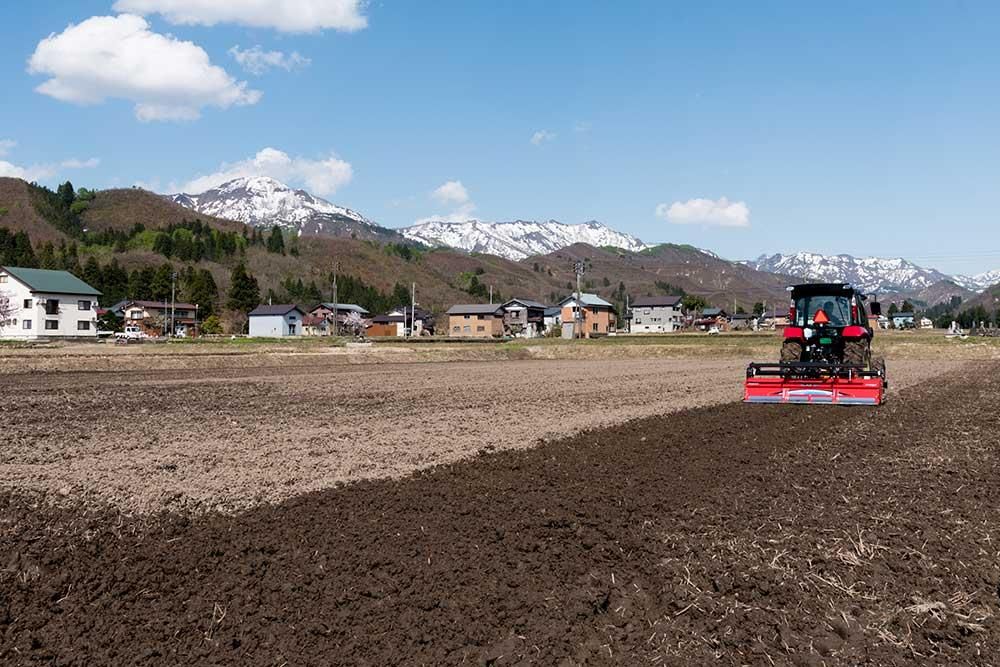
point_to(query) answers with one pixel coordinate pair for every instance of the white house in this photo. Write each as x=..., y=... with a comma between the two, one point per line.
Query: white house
x=656, y=314
x=276, y=321
x=38, y=303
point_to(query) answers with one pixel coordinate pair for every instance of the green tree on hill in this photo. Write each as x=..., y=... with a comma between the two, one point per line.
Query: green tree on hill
x=66, y=193
x=244, y=292
x=758, y=308
x=276, y=241
x=200, y=289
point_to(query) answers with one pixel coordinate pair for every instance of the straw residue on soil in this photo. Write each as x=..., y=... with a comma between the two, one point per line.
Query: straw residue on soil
x=230, y=438
x=752, y=535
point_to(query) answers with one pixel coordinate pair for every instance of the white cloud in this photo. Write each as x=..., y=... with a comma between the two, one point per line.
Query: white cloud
x=74, y=163
x=541, y=137
x=720, y=213
x=38, y=172
x=451, y=193
x=321, y=177
x=258, y=61
x=120, y=57
x=283, y=15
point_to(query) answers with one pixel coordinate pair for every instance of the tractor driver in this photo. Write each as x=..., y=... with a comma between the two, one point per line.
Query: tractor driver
x=832, y=313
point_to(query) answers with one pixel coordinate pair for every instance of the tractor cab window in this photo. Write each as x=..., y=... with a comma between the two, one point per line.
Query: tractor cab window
x=837, y=309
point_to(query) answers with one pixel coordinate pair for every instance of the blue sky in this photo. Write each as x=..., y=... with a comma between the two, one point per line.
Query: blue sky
x=739, y=127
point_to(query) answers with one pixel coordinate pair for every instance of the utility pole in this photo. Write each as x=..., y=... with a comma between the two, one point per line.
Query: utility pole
x=491, y=295
x=336, y=268
x=413, y=308
x=173, y=295
x=627, y=313
x=578, y=269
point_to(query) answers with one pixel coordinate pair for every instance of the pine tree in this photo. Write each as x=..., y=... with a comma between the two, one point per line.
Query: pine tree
x=276, y=242
x=200, y=288
x=160, y=285
x=244, y=293
x=66, y=193
x=92, y=274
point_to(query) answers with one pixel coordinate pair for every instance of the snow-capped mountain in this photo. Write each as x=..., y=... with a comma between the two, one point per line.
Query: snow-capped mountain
x=978, y=282
x=874, y=274
x=264, y=202
x=518, y=239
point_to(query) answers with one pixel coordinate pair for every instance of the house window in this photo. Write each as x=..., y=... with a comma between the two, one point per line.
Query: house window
x=27, y=303
x=3, y=279
x=466, y=329
x=135, y=315
x=51, y=325
x=480, y=328
x=83, y=325
x=594, y=326
x=25, y=324
x=83, y=305
x=456, y=329
x=51, y=307
x=466, y=316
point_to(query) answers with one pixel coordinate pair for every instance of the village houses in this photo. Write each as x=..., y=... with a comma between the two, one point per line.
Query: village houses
x=276, y=321
x=598, y=316
x=524, y=318
x=656, y=314
x=154, y=317
x=39, y=303
x=475, y=320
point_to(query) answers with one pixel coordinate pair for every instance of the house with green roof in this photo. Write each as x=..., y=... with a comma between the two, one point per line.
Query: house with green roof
x=39, y=303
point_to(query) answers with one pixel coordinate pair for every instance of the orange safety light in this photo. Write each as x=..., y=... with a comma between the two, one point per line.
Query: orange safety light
x=820, y=317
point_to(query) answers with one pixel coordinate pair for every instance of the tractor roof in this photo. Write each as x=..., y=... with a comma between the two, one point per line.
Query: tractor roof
x=808, y=289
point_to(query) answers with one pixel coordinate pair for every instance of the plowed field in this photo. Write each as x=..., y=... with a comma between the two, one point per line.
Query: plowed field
x=746, y=534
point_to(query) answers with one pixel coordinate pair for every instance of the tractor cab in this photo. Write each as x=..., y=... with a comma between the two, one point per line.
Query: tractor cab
x=827, y=322
x=826, y=354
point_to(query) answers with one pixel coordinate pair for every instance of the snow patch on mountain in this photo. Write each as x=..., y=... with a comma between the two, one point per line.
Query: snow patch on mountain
x=518, y=239
x=873, y=274
x=978, y=282
x=265, y=202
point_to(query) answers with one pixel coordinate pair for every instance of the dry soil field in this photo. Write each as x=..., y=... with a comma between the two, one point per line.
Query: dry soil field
x=619, y=510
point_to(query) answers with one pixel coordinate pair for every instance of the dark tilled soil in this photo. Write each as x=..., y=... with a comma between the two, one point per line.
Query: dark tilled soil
x=754, y=535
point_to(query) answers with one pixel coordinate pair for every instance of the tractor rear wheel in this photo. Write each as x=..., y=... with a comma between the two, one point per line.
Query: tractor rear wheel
x=878, y=365
x=857, y=352
x=791, y=351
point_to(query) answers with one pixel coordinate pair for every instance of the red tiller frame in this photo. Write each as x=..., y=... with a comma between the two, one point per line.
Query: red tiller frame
x=809, y=383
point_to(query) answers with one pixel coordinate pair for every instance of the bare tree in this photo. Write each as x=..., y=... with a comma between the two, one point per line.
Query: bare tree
x=6, y=309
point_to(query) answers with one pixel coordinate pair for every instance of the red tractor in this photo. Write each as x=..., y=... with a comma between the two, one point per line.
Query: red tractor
x=826, y=356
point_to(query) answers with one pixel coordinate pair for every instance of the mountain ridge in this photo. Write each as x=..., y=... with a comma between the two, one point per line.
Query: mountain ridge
x=518, y=239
